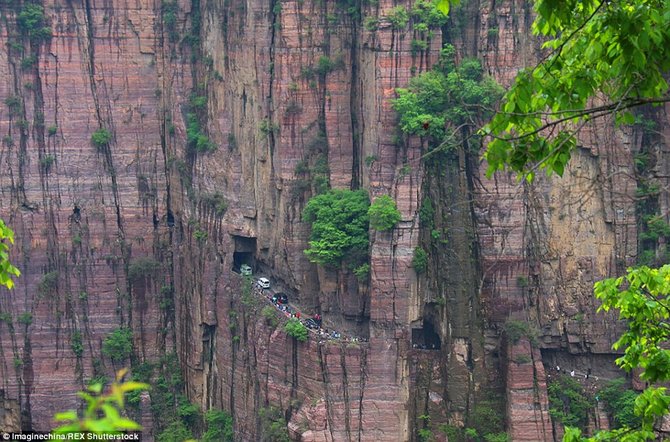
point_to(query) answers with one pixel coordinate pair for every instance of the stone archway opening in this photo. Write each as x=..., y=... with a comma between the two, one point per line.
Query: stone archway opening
x=426, y=336
x=245, y=252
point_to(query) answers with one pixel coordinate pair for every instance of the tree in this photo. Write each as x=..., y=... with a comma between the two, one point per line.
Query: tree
x=7, y=270
x=219, y=427
x=568, y=402
x=118, y=345
x=604, y=58
x=620, y=403
x=444, y=105
x=339, y=221
x=383, y=213
x=296, y=329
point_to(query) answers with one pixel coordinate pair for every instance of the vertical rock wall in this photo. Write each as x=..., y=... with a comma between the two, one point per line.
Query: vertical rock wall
x=83, y=215
x=142, y=230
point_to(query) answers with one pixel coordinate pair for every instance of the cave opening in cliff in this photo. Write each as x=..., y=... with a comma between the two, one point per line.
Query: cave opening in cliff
x=425, y=337
x=245, y=250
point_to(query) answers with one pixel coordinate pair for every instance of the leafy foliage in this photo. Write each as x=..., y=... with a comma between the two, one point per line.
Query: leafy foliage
x=46, y=162
x=141, y=268
x=101, y=138
x=77, y=344
x=383, y=213
x=165, y=393
x=326, y=65
x=568, y=402
x=118, y=345
x=398, y=17
x=339, y=227
x=516, y=330
x=7, y=270
x=642, y=298
x=195, y=138
x=103, y=411
x=270, y=315
x=420, y=260
x=14, y=104
x=296, y=329
x=620, y=403
x=25, y=318
x=444, y=5
x=219, y=427
x=362, y=272
x=273, y=426
x=48, y=284
x=448, y=97
x=426, y=15
x=487, y=421
x=176, y=431
x=620, y=49
x=215, y=201
x=169, y=11
x=31, y=22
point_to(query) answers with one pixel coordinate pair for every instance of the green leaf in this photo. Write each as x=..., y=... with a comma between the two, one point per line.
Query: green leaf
x=443, y=6
x=69, y=415
x=126, y=424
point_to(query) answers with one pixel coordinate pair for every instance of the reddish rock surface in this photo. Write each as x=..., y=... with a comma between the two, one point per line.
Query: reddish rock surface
x=131, y=234
x=527, y=403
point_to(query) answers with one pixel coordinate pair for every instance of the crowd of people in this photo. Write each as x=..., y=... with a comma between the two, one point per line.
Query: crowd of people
x=314, y=323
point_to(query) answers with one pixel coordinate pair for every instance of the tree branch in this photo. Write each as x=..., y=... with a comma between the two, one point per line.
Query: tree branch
x=592, y=114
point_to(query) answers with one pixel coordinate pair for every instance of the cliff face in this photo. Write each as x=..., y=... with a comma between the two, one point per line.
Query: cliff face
x=142, y=226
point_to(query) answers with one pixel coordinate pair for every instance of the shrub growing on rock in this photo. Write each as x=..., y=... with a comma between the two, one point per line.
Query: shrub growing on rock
x=383, y=213
x=420, y=260
x=339, y=221
x=101, y=138
x=118, y=345
x=296, y=329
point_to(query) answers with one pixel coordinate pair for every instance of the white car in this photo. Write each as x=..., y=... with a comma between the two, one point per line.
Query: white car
x=263, y=283
x=245, y=270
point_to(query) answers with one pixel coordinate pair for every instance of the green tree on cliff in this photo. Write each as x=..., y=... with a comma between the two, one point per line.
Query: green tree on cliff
x=340, y=223
x=446, y=104
x=384, y=213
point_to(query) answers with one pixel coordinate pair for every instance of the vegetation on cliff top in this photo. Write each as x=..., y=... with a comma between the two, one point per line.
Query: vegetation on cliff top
x=118, y=345
x=32, y=23
x=568, y=402
x=340, y=222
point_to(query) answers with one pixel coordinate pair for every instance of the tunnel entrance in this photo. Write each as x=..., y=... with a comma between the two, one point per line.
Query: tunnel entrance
x=245, y=250
x=425, y=337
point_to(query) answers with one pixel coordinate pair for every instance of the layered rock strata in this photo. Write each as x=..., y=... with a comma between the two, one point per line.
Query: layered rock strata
x=126, y=217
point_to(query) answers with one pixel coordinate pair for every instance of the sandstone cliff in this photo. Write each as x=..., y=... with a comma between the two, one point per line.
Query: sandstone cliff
x=223, y=118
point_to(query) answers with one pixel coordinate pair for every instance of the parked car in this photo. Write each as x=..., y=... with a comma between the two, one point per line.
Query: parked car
x=263, y=283
x=245, y=270
x=282, y=298
x=311, y=323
